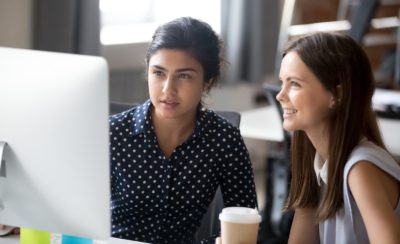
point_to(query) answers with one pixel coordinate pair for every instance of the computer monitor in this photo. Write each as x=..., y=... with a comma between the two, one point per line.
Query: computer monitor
x=54, y=119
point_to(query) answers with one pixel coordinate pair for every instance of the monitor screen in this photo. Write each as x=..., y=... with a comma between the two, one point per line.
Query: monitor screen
x=54, y=121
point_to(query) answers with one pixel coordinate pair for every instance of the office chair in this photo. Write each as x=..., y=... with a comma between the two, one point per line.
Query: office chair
x=118, y=107
x=210, y=222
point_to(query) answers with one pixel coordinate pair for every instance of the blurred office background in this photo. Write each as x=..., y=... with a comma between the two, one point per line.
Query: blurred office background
x=253, y=31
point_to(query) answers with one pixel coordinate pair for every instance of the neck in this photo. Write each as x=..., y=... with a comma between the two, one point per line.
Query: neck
x=320, y=141
x=172, y=132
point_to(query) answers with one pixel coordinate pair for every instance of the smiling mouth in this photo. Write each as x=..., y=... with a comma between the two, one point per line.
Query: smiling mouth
x=289, y=111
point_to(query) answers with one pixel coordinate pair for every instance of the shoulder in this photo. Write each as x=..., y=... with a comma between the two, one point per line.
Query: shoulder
x=372, y=175
x=368, y=164
x=128, y=117
x=123, y=117
x=364, y=173
x=370, y=171
x=225, y=121
x=367, y=151
x=376, y=193
x=218, y=126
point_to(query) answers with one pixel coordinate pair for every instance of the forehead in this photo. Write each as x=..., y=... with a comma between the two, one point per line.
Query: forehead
x=174, y=59
x=292, y=63
x=293, y=66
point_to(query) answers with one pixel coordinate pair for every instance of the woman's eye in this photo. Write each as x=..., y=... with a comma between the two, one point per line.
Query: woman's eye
x=184, y=76
x=294, y=83
x=157, y=73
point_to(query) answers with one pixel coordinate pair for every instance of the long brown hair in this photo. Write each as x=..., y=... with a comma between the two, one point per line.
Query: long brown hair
x=337, y=61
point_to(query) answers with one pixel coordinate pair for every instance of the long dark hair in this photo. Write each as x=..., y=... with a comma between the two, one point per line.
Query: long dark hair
x=337, y=61
x=191, y=35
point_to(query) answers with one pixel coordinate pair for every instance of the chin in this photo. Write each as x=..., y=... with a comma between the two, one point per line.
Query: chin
x=289, y=128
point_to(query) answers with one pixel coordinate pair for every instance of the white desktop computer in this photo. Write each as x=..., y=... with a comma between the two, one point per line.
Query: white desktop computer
x=55, y=142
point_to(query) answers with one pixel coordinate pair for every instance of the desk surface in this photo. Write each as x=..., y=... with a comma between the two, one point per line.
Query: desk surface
x=265, y=124
x=390, y=130
x=261, y=123
x=14, y=239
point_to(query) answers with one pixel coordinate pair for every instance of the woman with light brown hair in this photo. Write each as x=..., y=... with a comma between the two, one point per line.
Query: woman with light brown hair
x=345, y=185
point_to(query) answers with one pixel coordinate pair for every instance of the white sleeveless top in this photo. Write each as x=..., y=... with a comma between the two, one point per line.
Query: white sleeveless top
x=348, y=226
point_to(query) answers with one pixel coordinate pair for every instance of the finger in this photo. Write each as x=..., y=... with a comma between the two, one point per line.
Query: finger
x=218, y=240
x=16, y=231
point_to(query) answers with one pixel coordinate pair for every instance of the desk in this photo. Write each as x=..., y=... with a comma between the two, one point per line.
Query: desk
x=262, y=123
x=14, y=239
x=390, y=129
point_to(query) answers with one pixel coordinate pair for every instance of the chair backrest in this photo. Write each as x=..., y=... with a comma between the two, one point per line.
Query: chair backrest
x=118, y=107
x=232, y=117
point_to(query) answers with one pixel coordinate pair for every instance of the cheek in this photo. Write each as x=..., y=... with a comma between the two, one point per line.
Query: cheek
x=193, y=94
x=149, y=86
x=152, y=89
x=193, y=88
x=297, y=98
x=320, y=107
x=308, y=100
x=152, y=84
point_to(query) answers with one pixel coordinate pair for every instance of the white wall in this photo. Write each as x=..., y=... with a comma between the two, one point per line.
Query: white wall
x=16, y=23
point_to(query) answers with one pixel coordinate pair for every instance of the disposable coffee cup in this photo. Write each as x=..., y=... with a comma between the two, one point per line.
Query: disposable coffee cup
x=239, y=225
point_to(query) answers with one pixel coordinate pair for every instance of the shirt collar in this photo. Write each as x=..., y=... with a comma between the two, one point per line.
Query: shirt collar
x=202, y=122
x=321, y=169
x=141, y=120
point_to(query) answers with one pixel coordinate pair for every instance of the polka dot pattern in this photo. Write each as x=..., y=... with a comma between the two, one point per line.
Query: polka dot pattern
x=162, y=200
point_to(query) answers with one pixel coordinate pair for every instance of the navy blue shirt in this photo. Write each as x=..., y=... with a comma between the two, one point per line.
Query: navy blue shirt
x=162, y=200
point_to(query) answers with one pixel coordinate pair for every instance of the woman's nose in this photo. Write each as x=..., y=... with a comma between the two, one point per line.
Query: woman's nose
x=279, y=96
x=169, y=86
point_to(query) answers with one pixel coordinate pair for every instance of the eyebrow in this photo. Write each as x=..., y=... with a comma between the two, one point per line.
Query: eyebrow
x=292, y=77
x=178, y=70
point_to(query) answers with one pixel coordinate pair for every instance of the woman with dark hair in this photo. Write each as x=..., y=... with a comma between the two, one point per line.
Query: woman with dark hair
x=345, y=185
x=170, y=154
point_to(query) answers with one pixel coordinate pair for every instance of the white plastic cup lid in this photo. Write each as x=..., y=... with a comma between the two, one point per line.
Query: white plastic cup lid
x=240, y=215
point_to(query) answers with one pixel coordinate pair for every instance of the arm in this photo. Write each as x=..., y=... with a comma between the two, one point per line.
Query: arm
x=304, y=228
x=376, y=195
x=236, y=175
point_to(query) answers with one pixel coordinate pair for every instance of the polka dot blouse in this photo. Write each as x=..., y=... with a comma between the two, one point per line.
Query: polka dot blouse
x=157, y=199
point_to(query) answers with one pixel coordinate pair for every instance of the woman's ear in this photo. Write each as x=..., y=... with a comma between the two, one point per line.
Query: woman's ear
x=335, y=98
x=332, y=102
x=207, y=85
x=339, y=93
